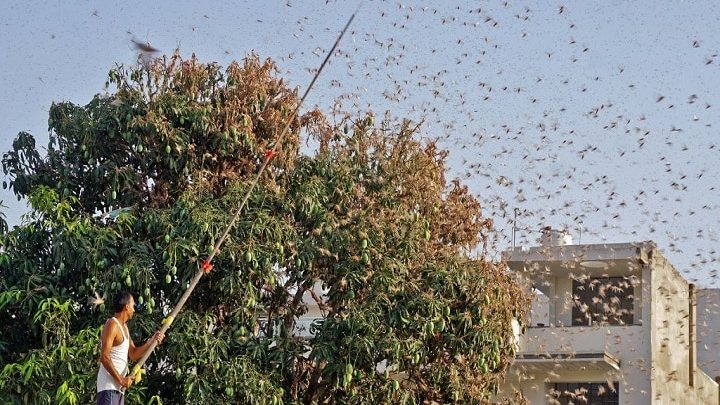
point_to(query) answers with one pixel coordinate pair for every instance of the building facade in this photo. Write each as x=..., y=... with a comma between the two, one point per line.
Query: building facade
x=610, y=324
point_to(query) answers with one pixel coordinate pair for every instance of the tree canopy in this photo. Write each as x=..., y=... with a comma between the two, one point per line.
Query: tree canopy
x=136, y=186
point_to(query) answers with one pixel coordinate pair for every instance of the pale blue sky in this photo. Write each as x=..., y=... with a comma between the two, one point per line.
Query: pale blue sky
x=552, y=113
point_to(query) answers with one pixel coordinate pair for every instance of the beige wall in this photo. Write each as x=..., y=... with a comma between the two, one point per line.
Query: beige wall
x=669, y=333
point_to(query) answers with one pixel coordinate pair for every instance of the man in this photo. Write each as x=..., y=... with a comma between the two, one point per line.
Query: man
x=116, y=347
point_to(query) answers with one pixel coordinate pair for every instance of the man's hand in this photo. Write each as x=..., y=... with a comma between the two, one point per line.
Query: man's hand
x=158, y=337
x=137, y=352
x=126, y=382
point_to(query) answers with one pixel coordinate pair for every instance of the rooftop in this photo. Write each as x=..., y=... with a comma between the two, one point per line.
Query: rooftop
x=607, y=259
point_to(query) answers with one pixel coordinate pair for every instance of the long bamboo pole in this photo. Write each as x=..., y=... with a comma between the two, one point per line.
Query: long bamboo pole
x=206, y=265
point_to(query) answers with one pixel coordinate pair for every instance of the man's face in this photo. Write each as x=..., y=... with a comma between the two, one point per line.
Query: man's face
x=130, y=308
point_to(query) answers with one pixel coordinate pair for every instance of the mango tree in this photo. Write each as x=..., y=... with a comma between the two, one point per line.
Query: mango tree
x=364, y=230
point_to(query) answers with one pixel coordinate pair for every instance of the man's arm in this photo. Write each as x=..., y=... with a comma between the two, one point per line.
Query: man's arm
x=107, y=338
x=137, y=352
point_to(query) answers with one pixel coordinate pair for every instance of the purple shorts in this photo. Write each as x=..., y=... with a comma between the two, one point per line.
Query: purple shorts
x=110, y=397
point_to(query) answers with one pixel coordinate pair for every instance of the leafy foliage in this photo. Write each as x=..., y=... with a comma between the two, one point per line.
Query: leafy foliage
x=365, y=238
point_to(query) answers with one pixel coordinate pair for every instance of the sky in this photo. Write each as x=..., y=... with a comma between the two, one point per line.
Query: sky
x=597, y=117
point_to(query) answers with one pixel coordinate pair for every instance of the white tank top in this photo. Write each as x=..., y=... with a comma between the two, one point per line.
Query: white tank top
x=119, y=358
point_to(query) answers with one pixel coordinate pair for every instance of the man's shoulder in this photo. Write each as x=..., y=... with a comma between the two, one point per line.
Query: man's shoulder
x=110, y=324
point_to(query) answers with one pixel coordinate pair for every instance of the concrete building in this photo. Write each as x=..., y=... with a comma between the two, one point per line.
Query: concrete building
x=610, y=324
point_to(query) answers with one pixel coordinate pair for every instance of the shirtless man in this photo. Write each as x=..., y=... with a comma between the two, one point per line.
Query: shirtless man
x=116, y=347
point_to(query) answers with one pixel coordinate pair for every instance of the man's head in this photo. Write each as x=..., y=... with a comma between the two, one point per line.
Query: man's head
x=123, y=302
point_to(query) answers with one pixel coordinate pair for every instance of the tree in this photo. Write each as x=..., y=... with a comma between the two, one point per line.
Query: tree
x=136, y=186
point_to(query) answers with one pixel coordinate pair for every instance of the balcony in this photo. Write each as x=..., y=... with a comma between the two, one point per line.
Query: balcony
x=580, y=338
x=579, y=348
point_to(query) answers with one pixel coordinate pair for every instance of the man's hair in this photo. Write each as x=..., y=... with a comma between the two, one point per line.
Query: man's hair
x=120, y=300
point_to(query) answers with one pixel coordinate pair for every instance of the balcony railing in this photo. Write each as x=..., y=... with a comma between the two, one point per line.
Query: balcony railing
x=611, y=339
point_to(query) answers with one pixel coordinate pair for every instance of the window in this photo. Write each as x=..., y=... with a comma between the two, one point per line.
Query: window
x=603, y=301
x=598, y=393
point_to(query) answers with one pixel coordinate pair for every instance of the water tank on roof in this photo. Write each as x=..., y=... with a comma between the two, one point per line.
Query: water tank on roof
x=555, y=237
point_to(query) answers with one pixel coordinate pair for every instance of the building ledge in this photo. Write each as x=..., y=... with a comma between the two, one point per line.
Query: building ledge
x=588, y=361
